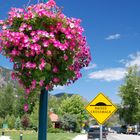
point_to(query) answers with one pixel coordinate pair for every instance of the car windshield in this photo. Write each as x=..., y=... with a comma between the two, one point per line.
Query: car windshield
x=95, y=129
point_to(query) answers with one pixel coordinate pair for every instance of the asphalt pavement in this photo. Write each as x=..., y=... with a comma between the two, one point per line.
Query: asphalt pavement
x=5, y=138
x=112, y=137
x=122, y=137
x=80, y=137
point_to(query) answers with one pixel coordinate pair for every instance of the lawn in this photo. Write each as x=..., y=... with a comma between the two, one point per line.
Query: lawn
x=28, y=135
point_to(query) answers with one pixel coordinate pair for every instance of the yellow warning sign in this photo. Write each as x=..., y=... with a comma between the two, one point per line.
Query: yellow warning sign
x=101, y=108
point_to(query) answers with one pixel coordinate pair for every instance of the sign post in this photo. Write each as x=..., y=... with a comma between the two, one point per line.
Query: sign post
x=101, y=132
x=101, y=109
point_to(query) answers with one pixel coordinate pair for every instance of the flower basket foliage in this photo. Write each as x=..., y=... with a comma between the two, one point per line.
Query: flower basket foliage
x=46, y=47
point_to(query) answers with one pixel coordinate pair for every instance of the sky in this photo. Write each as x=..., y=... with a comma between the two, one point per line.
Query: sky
x=112, y=29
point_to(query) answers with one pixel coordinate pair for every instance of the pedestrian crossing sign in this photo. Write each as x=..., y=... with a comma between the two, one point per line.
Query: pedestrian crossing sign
x=101, y=108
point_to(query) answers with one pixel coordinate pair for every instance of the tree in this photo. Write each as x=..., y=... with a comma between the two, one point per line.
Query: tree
x=69, y=122
x=19, y=102
x=6, y=100
x=129, y=92
x=50, y=125
x=1, y=122
x=53, y=104
x=18, y=123
x=34, y=115
x=113, y=121
x=74, y=105
x=10, y=120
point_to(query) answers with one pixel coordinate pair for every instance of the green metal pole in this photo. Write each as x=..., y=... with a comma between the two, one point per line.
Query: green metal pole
x=43, y=115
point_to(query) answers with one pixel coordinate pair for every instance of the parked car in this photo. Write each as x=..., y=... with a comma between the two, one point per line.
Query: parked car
x=115, y=129
x=94, y=133
x=132, y=130
x=123, y=129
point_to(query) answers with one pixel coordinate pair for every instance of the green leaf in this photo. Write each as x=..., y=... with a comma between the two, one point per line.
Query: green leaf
x=48, y=67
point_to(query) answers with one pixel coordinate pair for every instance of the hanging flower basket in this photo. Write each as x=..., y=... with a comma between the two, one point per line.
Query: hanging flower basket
x=46, y=47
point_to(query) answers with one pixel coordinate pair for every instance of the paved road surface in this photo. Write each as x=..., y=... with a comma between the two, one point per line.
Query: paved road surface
x=122, y=137
x=111, y=137
x=5, y=138
x=80, y=137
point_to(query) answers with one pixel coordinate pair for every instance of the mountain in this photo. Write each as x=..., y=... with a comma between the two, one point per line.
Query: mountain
x=5, y=76
x=59, y=95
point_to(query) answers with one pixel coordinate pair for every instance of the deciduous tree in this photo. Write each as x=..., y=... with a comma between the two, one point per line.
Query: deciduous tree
x=129, y=92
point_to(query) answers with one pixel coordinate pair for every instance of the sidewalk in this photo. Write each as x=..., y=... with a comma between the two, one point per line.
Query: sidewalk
x=5, y=138
x=80, y=137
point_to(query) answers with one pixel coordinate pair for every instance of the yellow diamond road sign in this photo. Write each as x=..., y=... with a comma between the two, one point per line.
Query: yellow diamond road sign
x=101, y=108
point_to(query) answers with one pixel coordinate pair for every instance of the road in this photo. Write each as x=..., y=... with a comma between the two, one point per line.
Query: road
x=5, y=138
x=111, y=137
x=122, y=137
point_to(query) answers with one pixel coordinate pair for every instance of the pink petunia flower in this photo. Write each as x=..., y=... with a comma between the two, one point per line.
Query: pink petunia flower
x=13, y=75
x=1, y=22
x=56, y=80
x=4, y=27
x=47, y=87
x=42, y=65
x=21, y=29
x=55, y=69
x=0, y=49
x=41, y=83
x=26, y=107
x=27, y=90
x=45, y=44
x=49, y=53
x=51, y=3
x=65, y=57
x=33, y=86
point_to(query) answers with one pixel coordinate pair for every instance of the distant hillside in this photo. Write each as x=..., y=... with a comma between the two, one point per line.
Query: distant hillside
x=5, y=77
x=59, y=95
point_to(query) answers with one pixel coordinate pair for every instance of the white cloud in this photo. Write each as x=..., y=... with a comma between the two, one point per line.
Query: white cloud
x=59, y=87
x=116, y=74
x=112, y=74
x=113, y=37
x=91, y=66
x=134, y=59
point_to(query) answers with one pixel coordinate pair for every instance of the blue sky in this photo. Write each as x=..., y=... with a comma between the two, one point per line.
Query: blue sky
x=112, y=28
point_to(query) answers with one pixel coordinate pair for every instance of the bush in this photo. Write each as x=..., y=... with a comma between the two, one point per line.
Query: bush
x=49, y=123
x=17, y=123
x=55, y=130
x=1, y=122
x=78, y=128
x=10, y=120
x=25, y=122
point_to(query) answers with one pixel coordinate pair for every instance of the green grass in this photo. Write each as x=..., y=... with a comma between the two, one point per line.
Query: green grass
x=28, y=135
